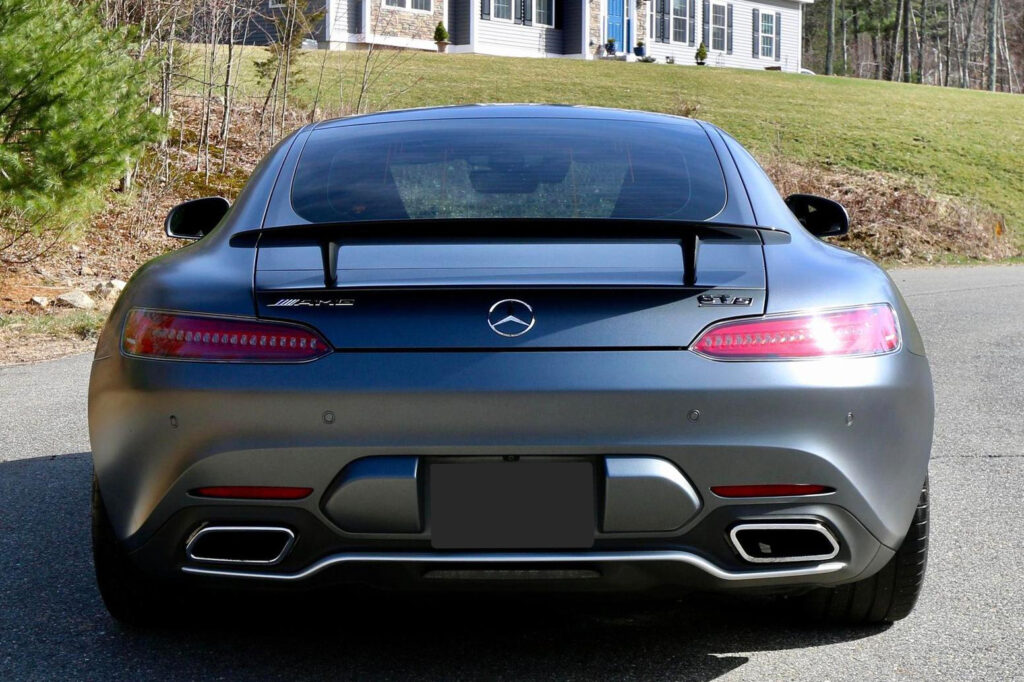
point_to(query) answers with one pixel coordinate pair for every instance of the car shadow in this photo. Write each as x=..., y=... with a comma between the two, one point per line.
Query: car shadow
x=53, y=624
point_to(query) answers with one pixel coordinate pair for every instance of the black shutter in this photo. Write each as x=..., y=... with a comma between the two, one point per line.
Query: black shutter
x=692, y=21
x=757, y=34
x=660, y=21
x=778, y=36
x=485, y=9
x=728, y=29
x=517, y=11
x=705, y=9
x=559, y=8
x=528, y=12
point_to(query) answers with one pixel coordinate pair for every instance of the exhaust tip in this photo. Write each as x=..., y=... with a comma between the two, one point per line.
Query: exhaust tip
x=264, y=545
x=782, y=542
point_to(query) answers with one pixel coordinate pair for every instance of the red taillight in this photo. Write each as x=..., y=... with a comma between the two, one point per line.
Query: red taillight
x=252, y=492
x=870, y=330
x=777, y=490
x=155, y=334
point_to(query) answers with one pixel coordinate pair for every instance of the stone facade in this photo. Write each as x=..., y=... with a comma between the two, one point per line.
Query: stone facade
x=594, y=8
x=404, y=23
x=642, y=9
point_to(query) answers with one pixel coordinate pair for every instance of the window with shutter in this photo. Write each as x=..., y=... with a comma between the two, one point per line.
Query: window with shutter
x=679, y=21
x=718, y=27
x=728, y=29
x=767, y=35
x=503, y=10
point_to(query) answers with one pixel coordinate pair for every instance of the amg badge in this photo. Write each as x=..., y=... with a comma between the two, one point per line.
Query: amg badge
x=314, y=303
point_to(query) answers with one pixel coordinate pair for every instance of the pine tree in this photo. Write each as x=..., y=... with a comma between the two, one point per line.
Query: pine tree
x=74, y=110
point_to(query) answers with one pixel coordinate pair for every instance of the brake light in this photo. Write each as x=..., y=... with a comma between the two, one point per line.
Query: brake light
x=869, y=330
x=252, y=492
x=156, y=334
x=771, y=490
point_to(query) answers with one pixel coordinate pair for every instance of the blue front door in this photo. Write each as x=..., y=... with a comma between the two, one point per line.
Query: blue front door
x=616, y=22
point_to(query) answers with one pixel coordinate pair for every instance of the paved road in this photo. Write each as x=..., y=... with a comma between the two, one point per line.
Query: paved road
x=969, y=624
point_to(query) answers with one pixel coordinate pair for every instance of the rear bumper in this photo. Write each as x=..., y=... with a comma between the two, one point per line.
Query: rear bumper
x=160, y=429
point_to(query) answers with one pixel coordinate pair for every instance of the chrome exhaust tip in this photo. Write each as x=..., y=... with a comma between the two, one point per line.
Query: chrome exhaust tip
x=262, y=545
x=783, y=542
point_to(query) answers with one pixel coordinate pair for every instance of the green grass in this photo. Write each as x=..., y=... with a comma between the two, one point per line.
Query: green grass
x=82, y=324
x=966, y=144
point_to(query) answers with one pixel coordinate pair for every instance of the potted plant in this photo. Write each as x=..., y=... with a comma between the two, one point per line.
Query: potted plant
x=702, y=54
x=640, y=50
x=441, y=37
x=610, y=46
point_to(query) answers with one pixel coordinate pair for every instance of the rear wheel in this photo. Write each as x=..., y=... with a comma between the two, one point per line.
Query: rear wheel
x=130, y=596
x=885, y=597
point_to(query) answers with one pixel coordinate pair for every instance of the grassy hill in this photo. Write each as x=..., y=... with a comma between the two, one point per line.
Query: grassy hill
x=960, y=143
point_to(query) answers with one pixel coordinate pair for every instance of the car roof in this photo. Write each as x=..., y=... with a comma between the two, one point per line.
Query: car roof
x=485, y=111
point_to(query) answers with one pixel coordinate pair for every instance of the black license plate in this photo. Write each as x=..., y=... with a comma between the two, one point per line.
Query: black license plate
x=512, y=505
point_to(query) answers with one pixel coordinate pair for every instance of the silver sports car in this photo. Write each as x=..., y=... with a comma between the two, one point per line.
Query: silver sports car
x=512, y=347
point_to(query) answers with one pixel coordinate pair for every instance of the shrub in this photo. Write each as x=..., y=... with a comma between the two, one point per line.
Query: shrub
x=440, y=33
x=74, y=111
x=702, y=53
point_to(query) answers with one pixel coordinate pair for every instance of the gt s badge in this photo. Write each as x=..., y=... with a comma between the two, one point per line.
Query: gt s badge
x=707, y=299
x=314, y=303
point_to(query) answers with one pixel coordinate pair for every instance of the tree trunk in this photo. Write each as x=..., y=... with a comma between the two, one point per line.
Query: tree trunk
x=993, y=64
x=905, y=64
x=923, y=32
x=830, y=40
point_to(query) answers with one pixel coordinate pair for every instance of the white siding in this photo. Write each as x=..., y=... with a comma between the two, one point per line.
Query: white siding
x=742, y=53
x=509, y=39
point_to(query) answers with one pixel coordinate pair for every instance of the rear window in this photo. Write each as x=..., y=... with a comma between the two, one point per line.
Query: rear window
x=508, y=168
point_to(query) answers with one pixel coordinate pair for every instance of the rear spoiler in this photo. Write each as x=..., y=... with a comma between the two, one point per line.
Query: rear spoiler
x=330, y=237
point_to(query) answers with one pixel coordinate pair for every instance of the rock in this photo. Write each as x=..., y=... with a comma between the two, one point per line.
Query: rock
x=40, y=301
x=86, y=271
x=109, y=290
x=76, y=299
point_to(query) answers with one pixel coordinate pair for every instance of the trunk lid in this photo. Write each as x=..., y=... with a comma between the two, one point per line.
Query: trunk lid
x=513, y=293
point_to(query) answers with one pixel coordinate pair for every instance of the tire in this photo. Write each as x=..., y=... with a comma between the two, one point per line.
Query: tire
x=885, y=597
x=130, y=596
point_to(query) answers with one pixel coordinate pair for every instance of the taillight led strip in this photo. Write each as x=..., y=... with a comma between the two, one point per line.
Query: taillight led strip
x=848, y=332
x=169, y=335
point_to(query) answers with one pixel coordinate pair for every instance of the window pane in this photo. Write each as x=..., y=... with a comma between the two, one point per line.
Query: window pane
x=508, y=168
x=546, y=12
x=767, y=46
x=718, y=15
x=395, y=3
x=767, y=24
x=503, y=9
x=718, y=38
x=679, y=21
x=421, y=4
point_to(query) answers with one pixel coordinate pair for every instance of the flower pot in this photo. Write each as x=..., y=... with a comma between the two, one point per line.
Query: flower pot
x=640, y=51
x=610, y=47
x=442, y=46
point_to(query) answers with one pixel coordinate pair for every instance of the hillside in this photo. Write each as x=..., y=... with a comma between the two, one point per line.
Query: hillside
x=960, y=143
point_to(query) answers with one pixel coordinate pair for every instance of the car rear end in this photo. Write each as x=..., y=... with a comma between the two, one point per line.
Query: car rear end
x=486, y=391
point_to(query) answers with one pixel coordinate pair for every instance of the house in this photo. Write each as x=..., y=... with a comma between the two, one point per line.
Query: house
x=754, y=34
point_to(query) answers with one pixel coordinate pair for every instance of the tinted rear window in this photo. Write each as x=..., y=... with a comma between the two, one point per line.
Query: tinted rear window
x=508, y=168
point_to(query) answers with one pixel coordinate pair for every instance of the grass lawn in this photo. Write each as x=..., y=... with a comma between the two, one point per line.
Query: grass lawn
x=961, y=143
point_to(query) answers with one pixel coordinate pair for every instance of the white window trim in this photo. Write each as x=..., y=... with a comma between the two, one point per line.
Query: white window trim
x=407, y=7
x=672, y=22
x=511, y=12
x=724, y=26
x=536, y=14
x=770, y=35
x=276, y=4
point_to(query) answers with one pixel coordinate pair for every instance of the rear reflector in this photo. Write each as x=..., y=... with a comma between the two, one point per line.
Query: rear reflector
x=155, y=334
x=869, y=330
x=780, y=490
x=252, y=492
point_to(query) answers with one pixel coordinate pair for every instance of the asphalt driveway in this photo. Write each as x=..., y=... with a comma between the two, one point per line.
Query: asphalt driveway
x=968, y=625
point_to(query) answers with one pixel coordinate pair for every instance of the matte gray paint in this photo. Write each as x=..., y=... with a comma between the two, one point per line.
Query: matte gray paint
x=760, y=421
